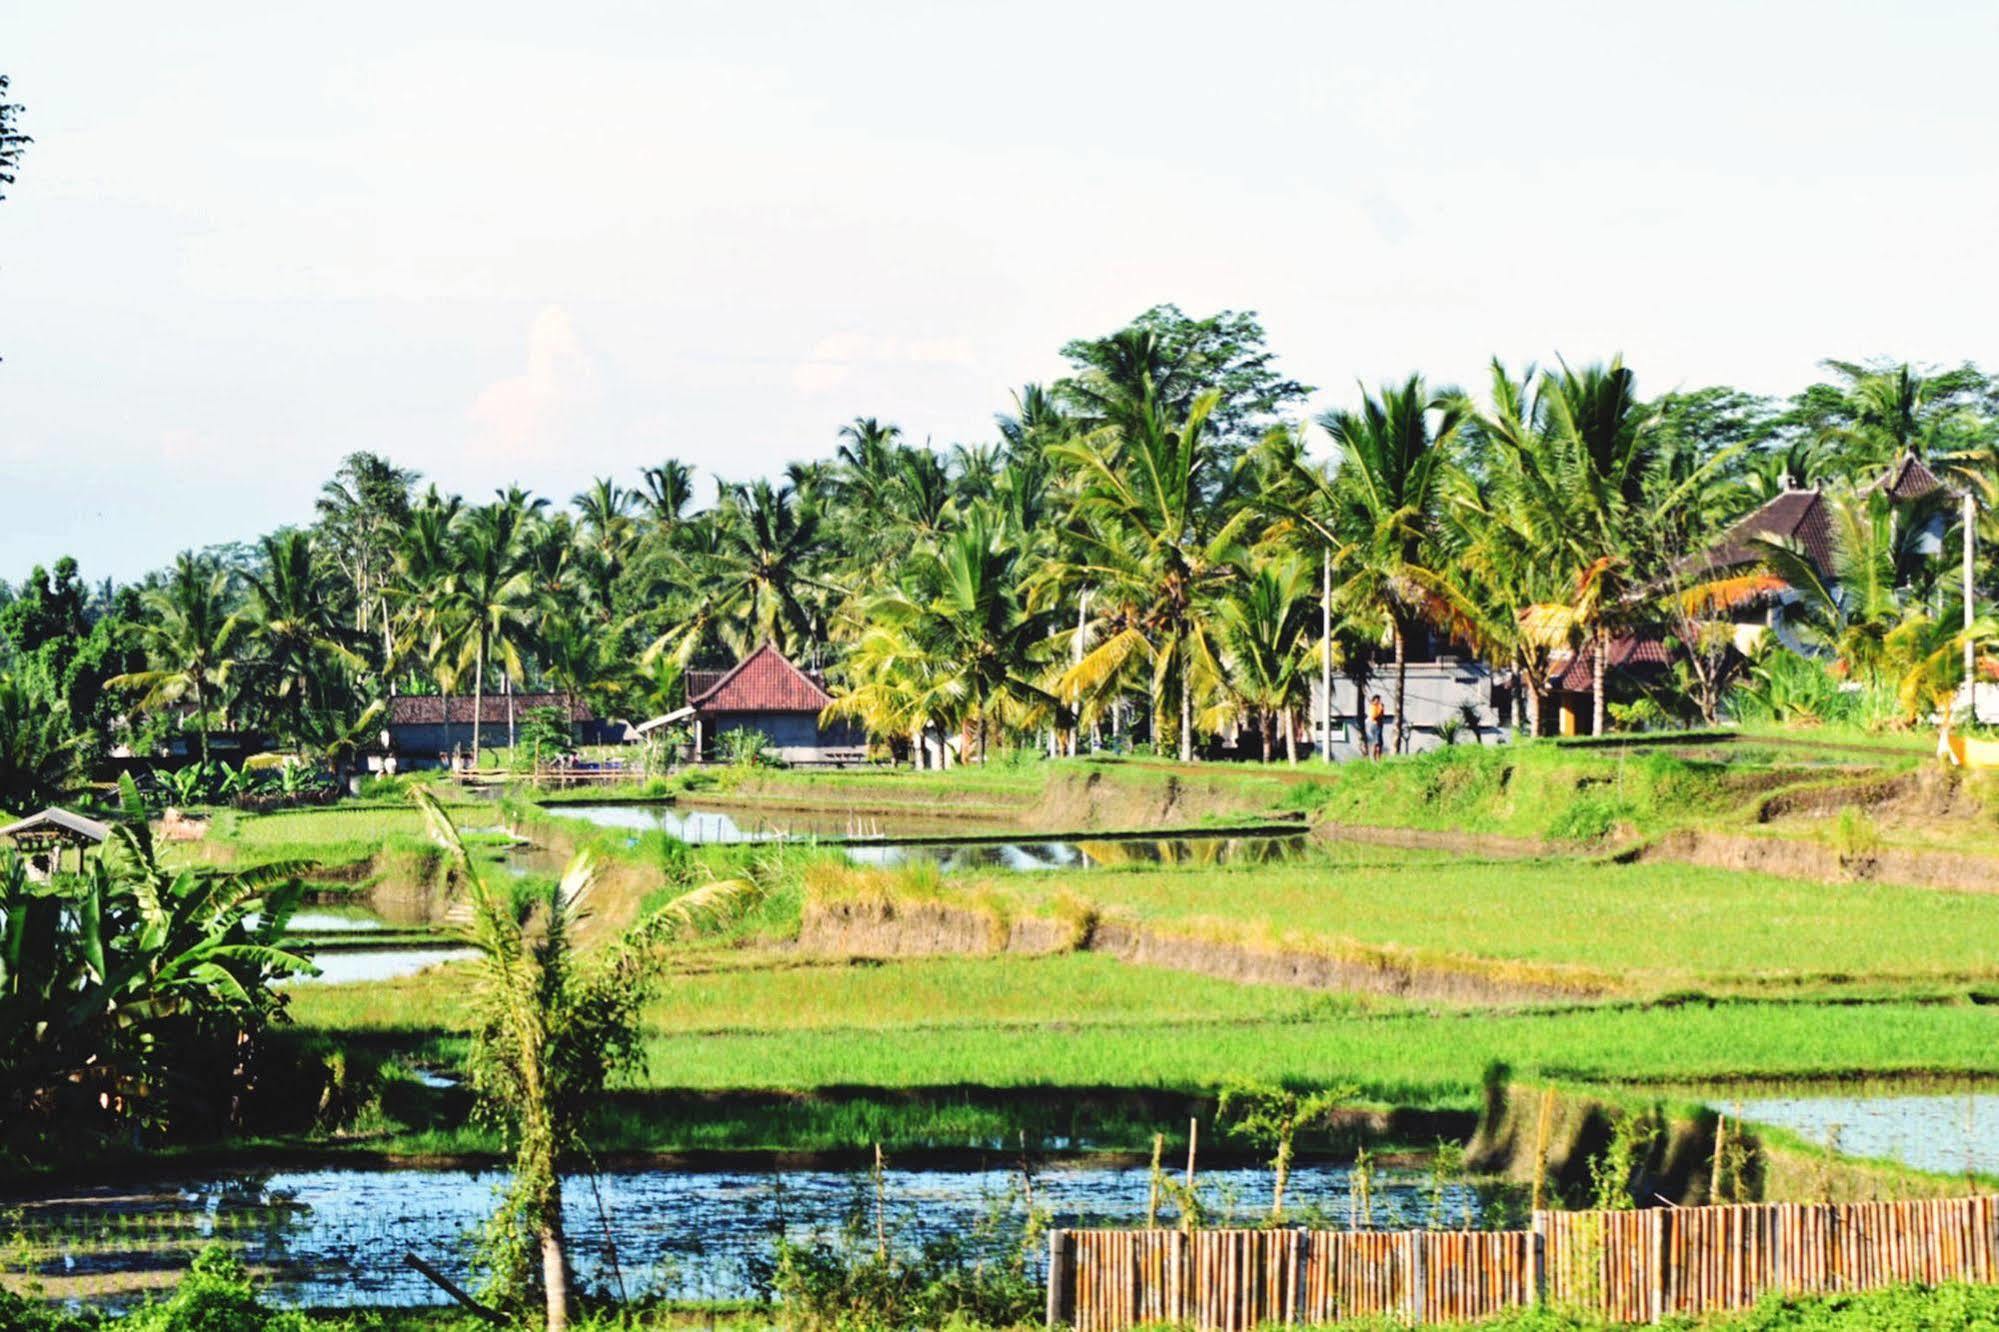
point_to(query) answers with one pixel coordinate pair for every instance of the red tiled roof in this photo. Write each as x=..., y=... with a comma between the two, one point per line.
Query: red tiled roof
x=1627, y=653
x=429, y=709
x=1796, y=516
x=764, y=681
x=1907, y=480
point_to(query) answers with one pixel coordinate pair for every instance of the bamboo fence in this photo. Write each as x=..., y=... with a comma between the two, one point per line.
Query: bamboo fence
x=1632, y=1267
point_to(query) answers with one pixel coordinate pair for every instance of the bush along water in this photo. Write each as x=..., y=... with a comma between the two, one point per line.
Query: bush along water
x=868, y=1276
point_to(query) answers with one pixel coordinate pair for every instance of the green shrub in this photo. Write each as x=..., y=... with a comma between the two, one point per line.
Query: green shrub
x=215, y=1296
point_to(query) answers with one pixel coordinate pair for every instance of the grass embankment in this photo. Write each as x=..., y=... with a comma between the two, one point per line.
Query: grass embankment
x=1639, y=929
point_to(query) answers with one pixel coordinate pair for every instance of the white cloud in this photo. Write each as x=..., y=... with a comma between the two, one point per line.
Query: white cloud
x=530, y=415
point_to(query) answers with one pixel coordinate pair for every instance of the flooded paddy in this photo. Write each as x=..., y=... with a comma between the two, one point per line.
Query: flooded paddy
x=1944, y=1132
x=337, y=1237
x=889, y=841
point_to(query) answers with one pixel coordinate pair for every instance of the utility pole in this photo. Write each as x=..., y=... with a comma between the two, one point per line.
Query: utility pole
x=1970, y=653
x=1326, y=653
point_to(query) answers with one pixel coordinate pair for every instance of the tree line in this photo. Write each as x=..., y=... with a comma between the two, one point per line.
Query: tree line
x=1147, y=550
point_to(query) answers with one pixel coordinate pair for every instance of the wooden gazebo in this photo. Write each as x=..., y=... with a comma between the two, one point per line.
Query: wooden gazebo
x=43, y=837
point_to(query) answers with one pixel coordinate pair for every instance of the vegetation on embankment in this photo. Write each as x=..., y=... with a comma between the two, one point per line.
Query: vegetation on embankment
x=1645, y=929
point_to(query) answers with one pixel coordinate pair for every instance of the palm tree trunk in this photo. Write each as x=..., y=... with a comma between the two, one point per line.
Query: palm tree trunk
x=1601, y=655
x=1186, y=713
x=555, y=1265
x=1401, y=687
x=1290, y=738
x=478, y=700
x=201, y=716
x=1532, y=689
x=1264, y=716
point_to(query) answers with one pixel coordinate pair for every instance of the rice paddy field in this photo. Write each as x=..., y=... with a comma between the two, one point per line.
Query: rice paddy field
x=1686, y=976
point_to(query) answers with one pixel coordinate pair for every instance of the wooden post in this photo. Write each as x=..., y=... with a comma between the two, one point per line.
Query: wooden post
x=1537, y=1259
x=1661, y=1262
x=451, y=1288
x=1152, y=1191
x=1412, y=1240
x=1059, y=1278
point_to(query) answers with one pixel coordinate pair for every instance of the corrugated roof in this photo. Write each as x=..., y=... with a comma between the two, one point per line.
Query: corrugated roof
x=764, y=681
x=429, y=709
x=53, y=819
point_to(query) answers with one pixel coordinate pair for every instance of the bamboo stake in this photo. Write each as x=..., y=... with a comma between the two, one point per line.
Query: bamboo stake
x=1152, y=1200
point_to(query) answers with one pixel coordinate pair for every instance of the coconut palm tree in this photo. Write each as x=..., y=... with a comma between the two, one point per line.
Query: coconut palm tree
x=295, y=629
x=666, y=492
x=758, y=577
x=1386, y=498
x=39, y=754
x=190, y=636
x=491, y=592
x=1158, y=521
x=1265, y=626
x=550, y=1025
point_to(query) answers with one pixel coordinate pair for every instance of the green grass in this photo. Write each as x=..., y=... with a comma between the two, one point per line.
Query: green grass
x=1647, y=925
x=1408, y=1058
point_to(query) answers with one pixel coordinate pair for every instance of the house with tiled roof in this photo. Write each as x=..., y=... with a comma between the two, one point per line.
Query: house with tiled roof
x=768, y=693
x=422, y=730
x=1733, y=572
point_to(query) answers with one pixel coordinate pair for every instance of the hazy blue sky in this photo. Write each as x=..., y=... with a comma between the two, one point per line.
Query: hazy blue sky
x=539, y=242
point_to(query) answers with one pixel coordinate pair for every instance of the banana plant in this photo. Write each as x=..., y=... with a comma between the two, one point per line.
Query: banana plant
x=132, y=995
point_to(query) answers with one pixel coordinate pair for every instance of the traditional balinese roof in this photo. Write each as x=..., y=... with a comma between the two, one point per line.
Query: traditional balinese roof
x=429, y=709
x=1907, y=480
x=56, y=825
x=764, y=681
x=1631, y=652
x=1796, y=516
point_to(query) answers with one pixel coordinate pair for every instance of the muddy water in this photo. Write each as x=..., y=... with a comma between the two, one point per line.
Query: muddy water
x=337, y=1237
x=1947, y=1133
x=698, y=825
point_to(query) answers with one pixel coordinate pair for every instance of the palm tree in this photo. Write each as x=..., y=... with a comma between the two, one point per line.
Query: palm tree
x=190, y=636
x=1585, y=471
x=491, y=590
x=297, y=628
x=968, y=609
x=39, y=759
x=1386, y=499
x=758, y=578
x=668, y=490
x=551, y=1024
x=362, y=512
x=1264, y=626
x=1157, y=527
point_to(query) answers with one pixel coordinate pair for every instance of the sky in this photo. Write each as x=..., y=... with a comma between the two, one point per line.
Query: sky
x=538, y=243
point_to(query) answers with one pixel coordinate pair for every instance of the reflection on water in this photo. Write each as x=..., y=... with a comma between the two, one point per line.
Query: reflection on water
x=707, y=826
x=1945, y=1133
x=338, y=967
x=1107, y=854
x=336, y=1237
x=325, y=921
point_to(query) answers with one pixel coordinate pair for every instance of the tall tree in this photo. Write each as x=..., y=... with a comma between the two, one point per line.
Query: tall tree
x=1182, y=358
x=1387, y=497
x=191, y=637
x=551, y=1024
x=363, y=512
x=1158, y=526
x=492, y=591
x=301, y=645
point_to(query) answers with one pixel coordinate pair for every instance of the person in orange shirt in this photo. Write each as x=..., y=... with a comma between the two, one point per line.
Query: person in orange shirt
x=1377, y=713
